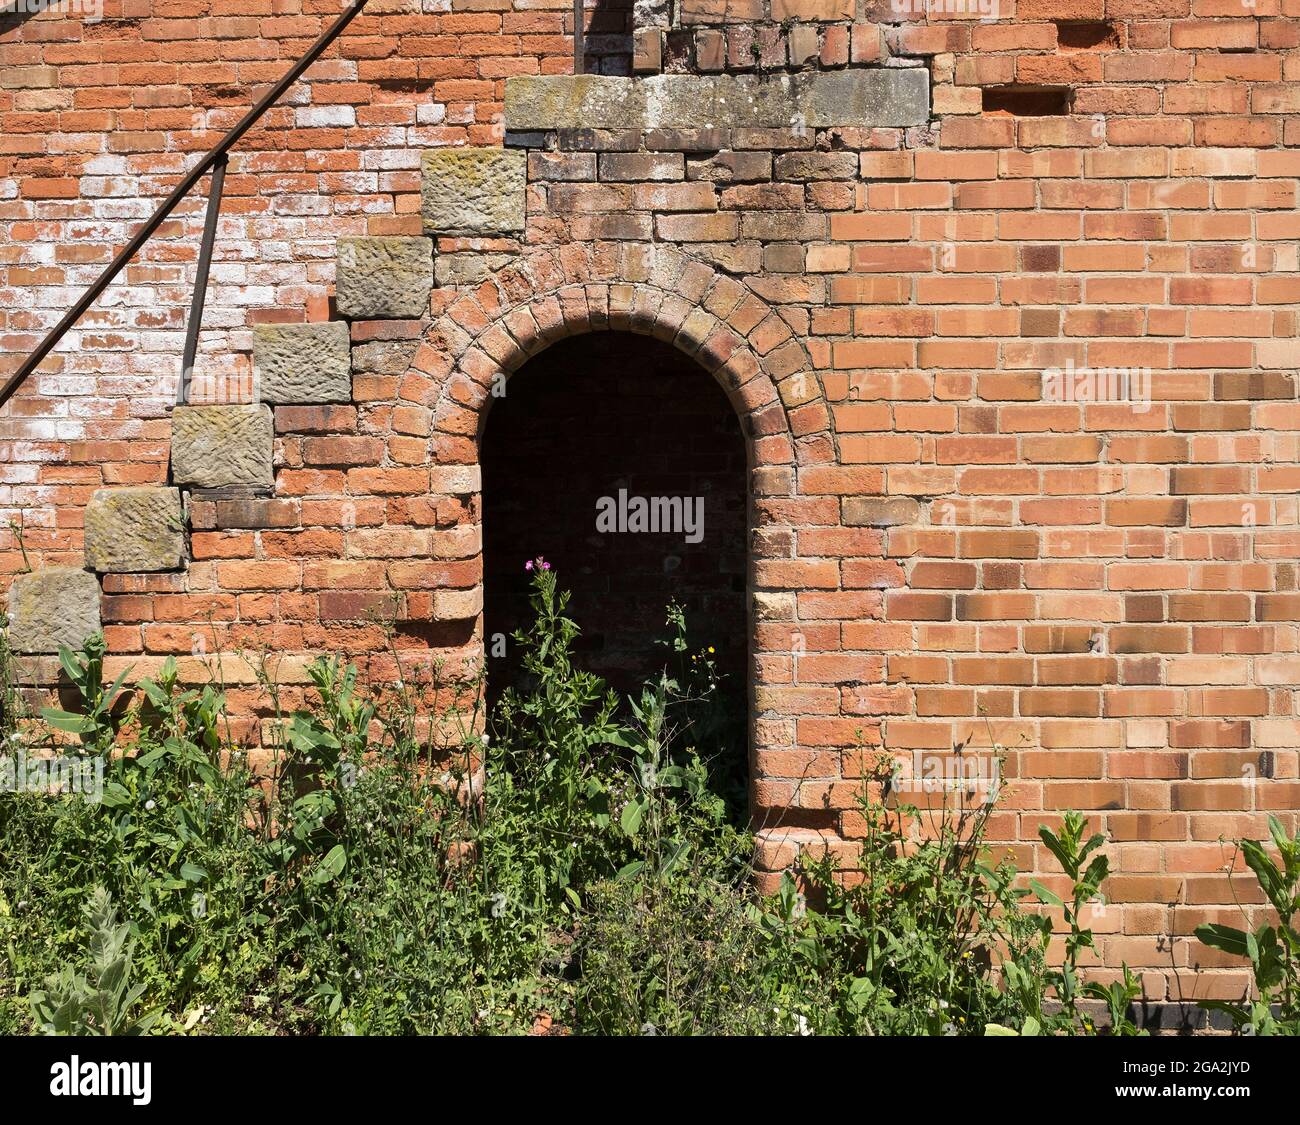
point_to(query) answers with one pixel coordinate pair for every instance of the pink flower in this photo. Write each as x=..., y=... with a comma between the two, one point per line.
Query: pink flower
x=528, y=565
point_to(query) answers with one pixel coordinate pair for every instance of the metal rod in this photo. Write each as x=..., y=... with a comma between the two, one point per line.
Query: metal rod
x=182, y=189
x=201, y=279
x=579, y=38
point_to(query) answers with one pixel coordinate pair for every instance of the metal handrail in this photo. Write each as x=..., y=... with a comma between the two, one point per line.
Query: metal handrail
x=579, y=37
x=216, y=161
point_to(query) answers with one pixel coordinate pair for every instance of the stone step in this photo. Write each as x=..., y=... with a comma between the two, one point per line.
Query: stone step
x=222, y=446
x=52, y=607
x=303, y=363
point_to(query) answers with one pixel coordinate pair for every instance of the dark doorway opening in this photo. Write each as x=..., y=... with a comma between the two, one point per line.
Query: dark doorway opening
x=622, y=462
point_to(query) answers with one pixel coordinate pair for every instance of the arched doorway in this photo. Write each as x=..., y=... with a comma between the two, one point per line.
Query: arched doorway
x=622, y=462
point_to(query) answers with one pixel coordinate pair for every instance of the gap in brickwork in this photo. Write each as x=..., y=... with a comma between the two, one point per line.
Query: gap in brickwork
x=1027, y=101
x=608, y=40
x=405, y=85
x=1087, y=35
x=587, y=418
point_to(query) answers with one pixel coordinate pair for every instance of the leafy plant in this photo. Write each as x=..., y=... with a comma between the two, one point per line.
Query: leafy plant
x=16, y=529
x=551, y=737
x=399, y=862
x=1118, y=996
x=97, y=720
x=906, y=943
x=1087, y=869
x=12, y=708
x=1072, y=852
x=99, y=1000
x=1272, y=950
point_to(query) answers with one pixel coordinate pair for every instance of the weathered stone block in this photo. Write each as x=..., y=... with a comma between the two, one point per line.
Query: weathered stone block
x=774, y=607
x=457, y=605
x=860, y=97
x=134, y=529
x=467, y=269
x=466, y=191
x=303, y=363
x=58, y=605
x=222, y=446
x=384, y=277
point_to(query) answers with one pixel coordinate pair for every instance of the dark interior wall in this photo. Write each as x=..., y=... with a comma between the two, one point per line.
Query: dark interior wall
x=590, y=416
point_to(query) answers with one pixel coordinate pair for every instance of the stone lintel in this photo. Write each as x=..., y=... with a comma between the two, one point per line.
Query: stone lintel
x=886, y=97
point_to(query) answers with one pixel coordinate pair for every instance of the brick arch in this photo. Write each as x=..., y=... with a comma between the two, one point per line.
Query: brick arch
x=728, y=330
x=646, y=289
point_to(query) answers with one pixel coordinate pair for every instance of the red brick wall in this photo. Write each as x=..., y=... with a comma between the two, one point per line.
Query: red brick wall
x=98, y=120
x=1109, y=591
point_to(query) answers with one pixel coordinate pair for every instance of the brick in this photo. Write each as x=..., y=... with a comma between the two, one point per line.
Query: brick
x=1170, y=512
x=826, y=10
x=1059, y=638
x=919, y=607
x=882, y=512
x=999, y=544
x=1209, y=607
x=1062, y=702
x=256, y=513
x=635, y=166
x=647, y=50
x=1277, y=607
